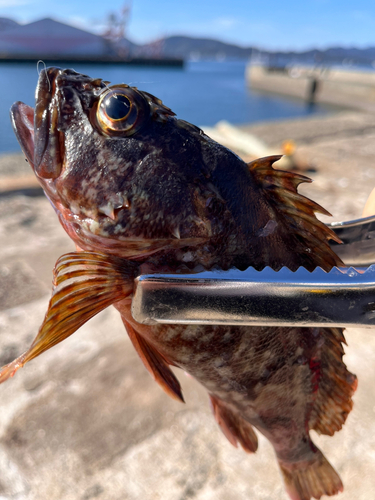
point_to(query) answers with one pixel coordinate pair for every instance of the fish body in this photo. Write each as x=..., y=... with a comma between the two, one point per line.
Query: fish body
x=139, y=190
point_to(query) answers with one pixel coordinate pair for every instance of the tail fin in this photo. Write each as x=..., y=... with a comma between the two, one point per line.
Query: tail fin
x=310, y=479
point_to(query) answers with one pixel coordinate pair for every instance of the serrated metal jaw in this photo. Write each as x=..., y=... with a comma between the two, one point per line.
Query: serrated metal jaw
x=341, y=297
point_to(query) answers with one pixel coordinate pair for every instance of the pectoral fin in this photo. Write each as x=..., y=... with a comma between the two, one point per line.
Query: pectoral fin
x=85, y=283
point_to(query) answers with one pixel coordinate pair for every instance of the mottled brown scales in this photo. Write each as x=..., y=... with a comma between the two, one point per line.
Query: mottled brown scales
x=139, y=190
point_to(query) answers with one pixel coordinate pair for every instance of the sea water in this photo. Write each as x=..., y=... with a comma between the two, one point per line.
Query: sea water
x=203, y=93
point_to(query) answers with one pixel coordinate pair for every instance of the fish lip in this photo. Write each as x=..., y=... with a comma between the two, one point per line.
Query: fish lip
x=22, y=119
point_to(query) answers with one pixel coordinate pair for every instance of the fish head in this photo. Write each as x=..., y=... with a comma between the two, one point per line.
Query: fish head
x=122, y=172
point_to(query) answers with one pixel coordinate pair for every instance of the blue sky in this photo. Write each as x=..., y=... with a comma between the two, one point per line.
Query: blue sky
x=270, y=24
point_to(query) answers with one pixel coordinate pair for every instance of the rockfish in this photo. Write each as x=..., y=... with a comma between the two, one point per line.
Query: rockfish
x=139, y=190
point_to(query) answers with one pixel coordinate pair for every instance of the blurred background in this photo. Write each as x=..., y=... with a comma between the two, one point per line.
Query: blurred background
x=85, y=420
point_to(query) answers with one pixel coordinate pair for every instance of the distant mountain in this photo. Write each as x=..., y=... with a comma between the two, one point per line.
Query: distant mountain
x=186, y=47
x=333, y=55
x=205, y=48
x=6, y=24
x=48, y=36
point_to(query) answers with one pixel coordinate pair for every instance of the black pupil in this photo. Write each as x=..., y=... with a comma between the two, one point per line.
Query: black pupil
x=117, y=107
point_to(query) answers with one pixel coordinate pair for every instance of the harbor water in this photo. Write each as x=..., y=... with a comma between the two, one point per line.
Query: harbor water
x=203, y=93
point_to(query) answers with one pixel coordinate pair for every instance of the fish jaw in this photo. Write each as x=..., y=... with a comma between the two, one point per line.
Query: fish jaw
x=22, y=119
x=47, y=138
x=37, y=129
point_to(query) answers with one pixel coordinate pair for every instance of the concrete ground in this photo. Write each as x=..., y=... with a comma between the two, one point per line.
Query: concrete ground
x=86, y=421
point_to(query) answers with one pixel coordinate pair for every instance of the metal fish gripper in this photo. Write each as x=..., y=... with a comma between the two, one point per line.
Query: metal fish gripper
x=341, y=297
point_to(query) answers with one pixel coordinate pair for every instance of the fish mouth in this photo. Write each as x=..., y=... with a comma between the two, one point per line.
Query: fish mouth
x=37, y=129
x=22, y=118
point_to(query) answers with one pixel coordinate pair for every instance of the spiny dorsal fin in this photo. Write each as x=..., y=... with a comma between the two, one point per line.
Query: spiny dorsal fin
x=280, y=189
x=155, y=364
x=85, y=283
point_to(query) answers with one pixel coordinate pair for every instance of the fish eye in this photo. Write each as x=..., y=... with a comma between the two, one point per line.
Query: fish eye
x=122, y=111
x=117, y=107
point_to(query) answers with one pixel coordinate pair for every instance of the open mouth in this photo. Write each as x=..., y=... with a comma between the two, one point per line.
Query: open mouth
x=36, y=130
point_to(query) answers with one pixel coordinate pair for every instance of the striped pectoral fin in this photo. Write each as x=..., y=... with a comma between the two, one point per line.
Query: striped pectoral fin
x=85, y=283
x=233, y=426
x=155, y=364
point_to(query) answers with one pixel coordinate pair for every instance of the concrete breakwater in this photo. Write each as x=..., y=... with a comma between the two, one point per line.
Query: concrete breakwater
x=341, y=87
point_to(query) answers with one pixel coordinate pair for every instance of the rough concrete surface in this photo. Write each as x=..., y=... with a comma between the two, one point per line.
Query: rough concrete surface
x=86, y=421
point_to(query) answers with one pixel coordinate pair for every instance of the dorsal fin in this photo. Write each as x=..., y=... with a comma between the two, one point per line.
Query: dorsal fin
x=280, y=189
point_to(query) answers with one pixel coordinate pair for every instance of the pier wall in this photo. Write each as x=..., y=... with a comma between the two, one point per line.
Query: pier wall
x=354, y=89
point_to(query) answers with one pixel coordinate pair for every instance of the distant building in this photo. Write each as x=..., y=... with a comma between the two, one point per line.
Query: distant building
x=48, y=37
